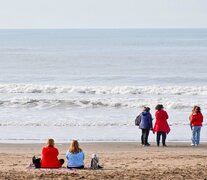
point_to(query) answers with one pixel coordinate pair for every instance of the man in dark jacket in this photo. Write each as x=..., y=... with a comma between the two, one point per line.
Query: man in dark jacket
x=145, y=125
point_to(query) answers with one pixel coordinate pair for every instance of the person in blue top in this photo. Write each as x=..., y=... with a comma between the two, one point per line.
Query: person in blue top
x=75, y=156
x=145, y=125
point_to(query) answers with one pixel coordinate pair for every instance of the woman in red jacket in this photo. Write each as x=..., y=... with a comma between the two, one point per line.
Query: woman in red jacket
x=196, y=120
x=193, y=111
x=161, y=125
x=49, y=157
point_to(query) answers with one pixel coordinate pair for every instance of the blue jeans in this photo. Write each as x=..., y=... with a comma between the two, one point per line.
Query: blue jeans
x=196, y=134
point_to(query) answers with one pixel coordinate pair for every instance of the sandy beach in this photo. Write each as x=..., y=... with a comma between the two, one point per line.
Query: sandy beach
x=120, y=161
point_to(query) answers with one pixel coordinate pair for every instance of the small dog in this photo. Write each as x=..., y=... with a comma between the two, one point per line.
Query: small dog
x=94, y=162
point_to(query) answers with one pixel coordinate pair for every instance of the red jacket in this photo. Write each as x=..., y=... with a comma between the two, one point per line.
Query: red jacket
x=196, y=119
x=161, y=124
x=49, y=158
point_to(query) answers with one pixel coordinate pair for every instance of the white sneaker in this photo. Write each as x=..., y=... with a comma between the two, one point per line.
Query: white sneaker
x=192, y=144
x=196, y=144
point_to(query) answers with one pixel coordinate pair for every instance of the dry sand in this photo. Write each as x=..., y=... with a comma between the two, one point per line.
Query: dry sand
x=120, y=161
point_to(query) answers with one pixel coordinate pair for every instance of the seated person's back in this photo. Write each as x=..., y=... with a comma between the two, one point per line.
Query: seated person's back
x=75, y=156
x=49, y=157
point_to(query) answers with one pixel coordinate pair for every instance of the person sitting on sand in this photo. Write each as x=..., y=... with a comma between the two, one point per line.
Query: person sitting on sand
x=49, y=157
x=196, y=120
x=161, y=125
x=145, y=125
x=75, y=156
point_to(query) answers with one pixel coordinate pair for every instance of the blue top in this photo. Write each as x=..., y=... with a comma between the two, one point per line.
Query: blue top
x=75, y=159
x=146, y=120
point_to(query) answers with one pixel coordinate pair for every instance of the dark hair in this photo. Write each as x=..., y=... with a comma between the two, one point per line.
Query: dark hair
x=159, y=107
x=147, y=109
x=197, y=108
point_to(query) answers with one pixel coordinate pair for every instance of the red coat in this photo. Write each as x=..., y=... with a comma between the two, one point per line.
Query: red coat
x=161, y=124
x=196, y=119
x=49, y=158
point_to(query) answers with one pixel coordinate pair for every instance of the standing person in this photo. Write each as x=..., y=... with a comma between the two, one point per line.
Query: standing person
x=75, y=156
x=161, y=125
x=49, y=157
x=193, y=111
x=145, y=125
x=196, y=120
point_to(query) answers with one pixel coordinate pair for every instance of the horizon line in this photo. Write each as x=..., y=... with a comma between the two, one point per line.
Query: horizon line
x=130, y=28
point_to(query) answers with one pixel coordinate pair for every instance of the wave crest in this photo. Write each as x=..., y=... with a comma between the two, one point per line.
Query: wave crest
x=110, y=90
x=87, y=103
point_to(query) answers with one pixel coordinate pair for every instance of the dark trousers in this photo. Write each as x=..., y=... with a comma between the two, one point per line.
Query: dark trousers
x=164, y=135
x=80, y=167
x=37, y=162
x=144, y=137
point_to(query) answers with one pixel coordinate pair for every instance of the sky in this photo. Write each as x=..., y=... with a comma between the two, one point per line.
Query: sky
x=103, y=14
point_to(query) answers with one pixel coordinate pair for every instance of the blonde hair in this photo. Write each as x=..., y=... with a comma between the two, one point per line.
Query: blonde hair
x=51, y=142
x=74, y=147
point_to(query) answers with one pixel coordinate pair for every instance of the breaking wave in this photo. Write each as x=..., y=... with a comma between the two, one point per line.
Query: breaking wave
x=107, y=90
x=91, y=103
x=47, y=96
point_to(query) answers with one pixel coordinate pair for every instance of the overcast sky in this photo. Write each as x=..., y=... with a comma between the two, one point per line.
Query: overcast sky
x=103, y=13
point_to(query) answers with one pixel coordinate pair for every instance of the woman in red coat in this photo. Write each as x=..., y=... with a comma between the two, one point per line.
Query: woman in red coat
x=196, y=120
x=161, y=125
x=49, y=157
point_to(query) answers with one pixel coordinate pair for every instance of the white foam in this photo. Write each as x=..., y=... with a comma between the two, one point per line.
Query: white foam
x=149, y=90
x=95, y=103
x=47, y=96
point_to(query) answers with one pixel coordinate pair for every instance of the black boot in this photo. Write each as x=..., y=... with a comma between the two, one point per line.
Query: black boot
x=33, y=159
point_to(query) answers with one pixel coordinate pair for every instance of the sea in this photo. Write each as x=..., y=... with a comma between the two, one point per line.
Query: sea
x=90, y=84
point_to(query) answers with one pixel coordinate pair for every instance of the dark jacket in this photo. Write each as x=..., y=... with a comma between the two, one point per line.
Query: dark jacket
x=146, y=120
